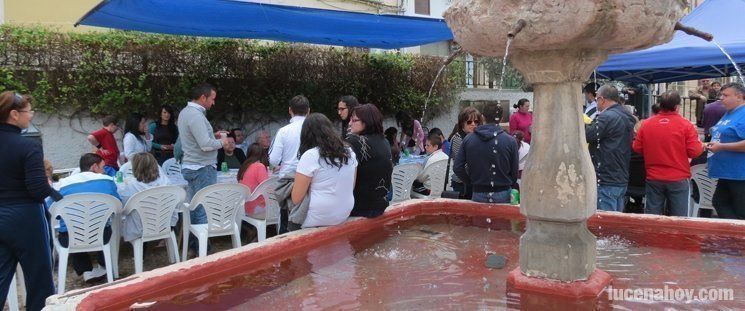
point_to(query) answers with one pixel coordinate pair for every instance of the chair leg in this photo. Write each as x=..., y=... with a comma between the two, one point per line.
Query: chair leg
x=62, y=271
x=109, y=263
x=172, y=246
x=13, y=295
x=137, y=247
x=202, y=239
x=696, y=207
x=236, y=236
x=261, y=231
x=185, y=245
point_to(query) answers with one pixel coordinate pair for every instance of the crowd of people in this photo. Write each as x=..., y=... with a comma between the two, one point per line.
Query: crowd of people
x=326, y=174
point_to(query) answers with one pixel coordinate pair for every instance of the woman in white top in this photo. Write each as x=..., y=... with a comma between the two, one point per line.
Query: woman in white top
x=136, y=138
x=522, y=151
x=326, y=171
x=146, y=174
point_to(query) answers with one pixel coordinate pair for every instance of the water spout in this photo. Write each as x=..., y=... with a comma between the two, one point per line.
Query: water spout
x=517, y=28
x=437, y=77
x=694, y=32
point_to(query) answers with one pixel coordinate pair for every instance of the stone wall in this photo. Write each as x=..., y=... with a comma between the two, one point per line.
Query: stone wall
x=64, y=139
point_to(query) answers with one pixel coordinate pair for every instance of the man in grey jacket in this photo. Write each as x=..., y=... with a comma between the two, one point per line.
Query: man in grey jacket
x=610, y=136
x=199, y=145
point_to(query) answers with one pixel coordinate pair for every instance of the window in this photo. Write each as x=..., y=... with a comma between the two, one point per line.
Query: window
x=421, y=7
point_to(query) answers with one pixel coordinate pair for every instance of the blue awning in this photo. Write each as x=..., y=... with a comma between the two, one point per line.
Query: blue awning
x=241, y=19
x=687, y=57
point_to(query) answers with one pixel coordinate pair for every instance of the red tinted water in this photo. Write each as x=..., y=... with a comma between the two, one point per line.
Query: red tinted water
x=437, y=262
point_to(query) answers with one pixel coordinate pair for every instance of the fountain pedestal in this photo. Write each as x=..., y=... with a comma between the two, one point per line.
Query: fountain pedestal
x=556, y=50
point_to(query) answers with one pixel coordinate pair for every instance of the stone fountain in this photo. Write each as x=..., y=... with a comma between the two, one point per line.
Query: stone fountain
x=558, y=46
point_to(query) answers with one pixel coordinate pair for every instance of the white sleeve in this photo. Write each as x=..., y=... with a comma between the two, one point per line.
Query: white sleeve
x=309, y=164
x=275, y=151
x=129, y=144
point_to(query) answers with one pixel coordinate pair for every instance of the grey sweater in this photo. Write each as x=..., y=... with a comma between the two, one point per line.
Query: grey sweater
x=197, y=138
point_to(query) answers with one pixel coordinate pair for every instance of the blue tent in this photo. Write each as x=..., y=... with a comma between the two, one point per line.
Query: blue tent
x=687, y=57
x=241, y=19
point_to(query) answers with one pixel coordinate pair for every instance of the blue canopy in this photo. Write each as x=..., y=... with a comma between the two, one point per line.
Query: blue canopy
x=241, y=19
x=687, y=57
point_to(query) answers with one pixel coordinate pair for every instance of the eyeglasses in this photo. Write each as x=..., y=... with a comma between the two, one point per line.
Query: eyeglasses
x=471, y=122
x=29, y=111
x=352, y=120
x=341, y=109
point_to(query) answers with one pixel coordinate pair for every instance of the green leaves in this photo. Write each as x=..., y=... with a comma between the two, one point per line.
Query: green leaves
x=119, y=72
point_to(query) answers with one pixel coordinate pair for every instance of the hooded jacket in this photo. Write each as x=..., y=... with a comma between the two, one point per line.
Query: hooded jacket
x=488, y=159
x=610, y=136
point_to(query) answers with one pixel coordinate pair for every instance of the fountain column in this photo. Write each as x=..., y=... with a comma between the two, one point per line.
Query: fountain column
x=559, y=179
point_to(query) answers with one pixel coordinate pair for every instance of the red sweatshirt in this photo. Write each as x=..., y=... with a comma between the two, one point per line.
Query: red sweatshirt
x=667, y=141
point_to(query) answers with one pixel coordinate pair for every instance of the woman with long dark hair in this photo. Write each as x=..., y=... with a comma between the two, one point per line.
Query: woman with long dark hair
x=326, y=172
x=136, y=139
x=253, y=172
x=374, y=158
x=468, y=120
x=344, y=108
x=165, y=133
x=24, y=231
x=390, y=136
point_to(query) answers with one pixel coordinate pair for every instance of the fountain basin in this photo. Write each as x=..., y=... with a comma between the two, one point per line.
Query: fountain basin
x=428, y=254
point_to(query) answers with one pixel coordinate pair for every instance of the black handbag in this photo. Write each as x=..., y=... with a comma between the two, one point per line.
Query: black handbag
x=449, y=194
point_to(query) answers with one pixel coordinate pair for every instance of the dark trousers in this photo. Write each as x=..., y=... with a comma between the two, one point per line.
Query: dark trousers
x=465, y=191
x=729, y=199
x=81, y=262
x=675, y=193
x=24, y=239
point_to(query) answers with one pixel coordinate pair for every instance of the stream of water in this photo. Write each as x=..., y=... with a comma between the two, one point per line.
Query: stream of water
x=739, y=72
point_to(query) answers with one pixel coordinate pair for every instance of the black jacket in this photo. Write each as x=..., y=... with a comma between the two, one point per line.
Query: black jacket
x=610, y=136
x=22, y=164
x=238, y=152
x=374, y=171
x=488, y=159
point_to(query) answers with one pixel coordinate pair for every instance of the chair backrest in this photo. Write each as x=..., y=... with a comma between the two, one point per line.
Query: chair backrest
x=402, y=179
x=266, y=190
x=86, y=216
x=706, y=185
x=126, y=169
x=221, y=202
x=436, y=173
x=155, y=206
x=171, y=167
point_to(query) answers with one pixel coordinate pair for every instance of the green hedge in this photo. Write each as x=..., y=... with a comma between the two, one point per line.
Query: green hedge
x=120, y=72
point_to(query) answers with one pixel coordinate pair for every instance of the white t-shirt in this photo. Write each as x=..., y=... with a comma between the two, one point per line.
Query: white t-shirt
x=331, y=197
x=522, y=154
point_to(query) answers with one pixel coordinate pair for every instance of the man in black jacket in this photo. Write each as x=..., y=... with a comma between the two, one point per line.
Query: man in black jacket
x=488, y=159
x=610, y=136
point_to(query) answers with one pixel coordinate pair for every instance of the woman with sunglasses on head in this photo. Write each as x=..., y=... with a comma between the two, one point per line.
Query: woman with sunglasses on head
x=468, y=120
x=24, y=231
x=344, y=108
x=374, y=157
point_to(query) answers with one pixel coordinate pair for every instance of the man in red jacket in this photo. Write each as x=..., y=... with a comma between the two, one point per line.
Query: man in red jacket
x=667, y=141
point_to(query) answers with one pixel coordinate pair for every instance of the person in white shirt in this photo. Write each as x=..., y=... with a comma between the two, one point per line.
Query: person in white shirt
x=326, y=171
x=284, y=149
x=136, y=138
x=146, y=174
x=433, y=147
x=590, y=90
x=522, y=152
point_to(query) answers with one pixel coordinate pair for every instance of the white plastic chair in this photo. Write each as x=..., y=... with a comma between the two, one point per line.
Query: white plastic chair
x=436, y=173
x=402, y=179
x=86, y=216
x=706, y=187
x=171, y=167
x=221, y=202
x=126, y=169
x=271, y=217
x=155, y=207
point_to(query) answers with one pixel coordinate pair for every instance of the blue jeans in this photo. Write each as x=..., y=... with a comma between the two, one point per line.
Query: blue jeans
x=674, y=193
x=492, y=197
x=611, y=198
x=199, y=179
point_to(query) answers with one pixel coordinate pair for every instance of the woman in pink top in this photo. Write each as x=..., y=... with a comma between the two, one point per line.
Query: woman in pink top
x=253, y=171
x=522, y=119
